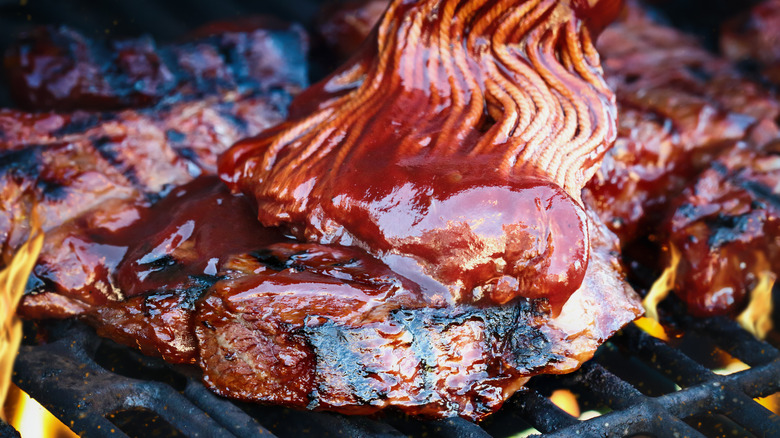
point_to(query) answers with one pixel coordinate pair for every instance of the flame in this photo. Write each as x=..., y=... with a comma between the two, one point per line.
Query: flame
x=17, y=408
x=652, y=327
x=771, y=402
x=31, y=419
x=567, y=401
x=757, y=317
x=13, y=280
x=662, y=286
x=729, y=363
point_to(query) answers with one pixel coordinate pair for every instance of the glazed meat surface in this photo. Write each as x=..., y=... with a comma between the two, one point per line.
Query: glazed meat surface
x=58, y=68
x=319, y=326
x=363, y=338
x=134, y=155
x=726, y=228
x=679, y=105
x=167, y=260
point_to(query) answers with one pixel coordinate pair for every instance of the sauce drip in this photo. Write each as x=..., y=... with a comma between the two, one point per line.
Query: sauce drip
x=184, y=238
x=454, y=148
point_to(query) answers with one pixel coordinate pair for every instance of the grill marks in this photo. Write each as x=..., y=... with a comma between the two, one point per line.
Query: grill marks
x=725, y=224
x=125, y=156
x=59, y=68
x=342, y=332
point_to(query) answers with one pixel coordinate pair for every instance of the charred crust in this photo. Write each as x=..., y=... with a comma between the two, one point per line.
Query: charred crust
x=23, y=163
x=726, y=228
x=83, y=123
x=267, y=258
x=110, y=150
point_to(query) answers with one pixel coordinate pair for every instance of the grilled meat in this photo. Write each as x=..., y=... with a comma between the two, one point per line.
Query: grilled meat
x=364, y=338
x=135, y=271
x=134, y=155
x=752, y=39
x=92, y=175
x=318, y=326
x=58, y=68
x=679, y=105
x=726, y=227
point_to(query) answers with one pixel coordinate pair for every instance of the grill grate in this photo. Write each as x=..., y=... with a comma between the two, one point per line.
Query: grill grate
x=91, y=384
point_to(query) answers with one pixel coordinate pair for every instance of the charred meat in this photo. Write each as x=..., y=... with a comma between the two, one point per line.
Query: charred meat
x=679, y=105
x=58, y=68
x=726, y=227
x=422, y=241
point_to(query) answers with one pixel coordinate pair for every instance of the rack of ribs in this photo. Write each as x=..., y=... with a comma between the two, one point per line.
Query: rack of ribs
x=422, y=242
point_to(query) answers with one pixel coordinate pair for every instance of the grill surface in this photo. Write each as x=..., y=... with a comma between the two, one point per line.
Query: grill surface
x=646, y=386
x=99, y=389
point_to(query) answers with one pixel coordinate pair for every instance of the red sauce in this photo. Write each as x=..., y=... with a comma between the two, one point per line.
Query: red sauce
x=453, y=148
x=188, y=234
x=457, y=231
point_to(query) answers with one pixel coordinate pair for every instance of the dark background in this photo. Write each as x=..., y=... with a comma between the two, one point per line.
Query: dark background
x=167, y=20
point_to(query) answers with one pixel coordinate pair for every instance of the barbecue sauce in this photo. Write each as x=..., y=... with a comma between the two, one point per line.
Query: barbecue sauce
x=186, y=236
x=454, y=148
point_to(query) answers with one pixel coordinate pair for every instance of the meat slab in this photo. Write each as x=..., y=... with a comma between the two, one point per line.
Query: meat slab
x=726, y=226
x=497, y=272
x=59, y=68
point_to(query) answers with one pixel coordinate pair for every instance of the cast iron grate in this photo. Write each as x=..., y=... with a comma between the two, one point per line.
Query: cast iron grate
x=101, y=389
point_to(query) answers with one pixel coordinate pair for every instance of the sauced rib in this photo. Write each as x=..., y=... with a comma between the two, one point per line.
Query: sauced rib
x=265, y=334
x=679, y=105
x=726, y=227
x=136, y=271
x=319, y=326
x=58, y=68
x=134, y=155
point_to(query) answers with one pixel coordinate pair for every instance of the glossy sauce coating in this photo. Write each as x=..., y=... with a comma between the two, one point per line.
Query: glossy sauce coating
x=454, y=149
x=125, y=248
x=726, y=227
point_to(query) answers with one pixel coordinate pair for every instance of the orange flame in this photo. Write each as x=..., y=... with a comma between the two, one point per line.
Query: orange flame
x=13, y=280
x=567, y=401
x=771, y=402
x=31, y=419
x=662, y=286
x=652, y=327
x=757, y=317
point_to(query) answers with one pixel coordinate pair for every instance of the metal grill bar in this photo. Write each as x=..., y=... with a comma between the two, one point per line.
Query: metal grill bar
x=705, y=392
x=65, y=378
